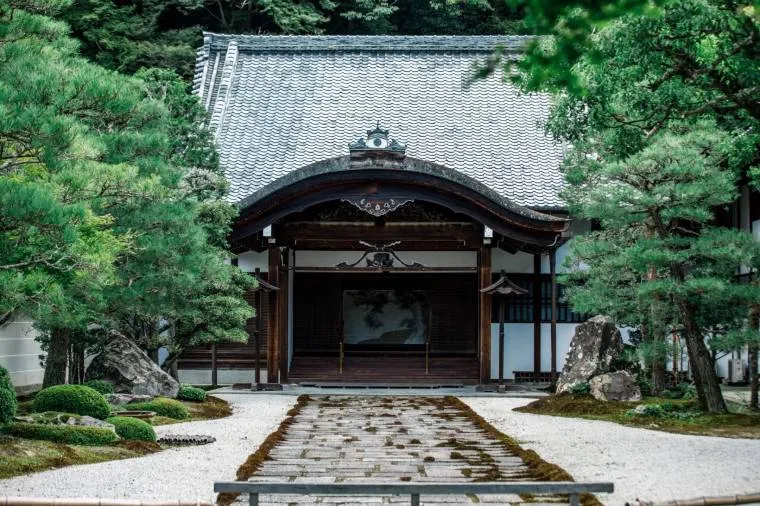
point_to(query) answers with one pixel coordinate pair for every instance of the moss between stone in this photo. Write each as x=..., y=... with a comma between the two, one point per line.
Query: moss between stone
x=538, y=468
x=257, y=458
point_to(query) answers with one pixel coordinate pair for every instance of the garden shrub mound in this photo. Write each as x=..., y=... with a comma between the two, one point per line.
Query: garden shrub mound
x=190, y=393
x=78, y=399
x=162, y=407
x=8, y=402
x=102, y=386
x=132, y=429
x=74, y=435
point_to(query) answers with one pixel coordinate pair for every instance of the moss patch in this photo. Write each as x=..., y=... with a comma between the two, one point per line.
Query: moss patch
x=210, y=409
x=24, y=456
x=734, y=425
x=538, y=469
x=257, y=458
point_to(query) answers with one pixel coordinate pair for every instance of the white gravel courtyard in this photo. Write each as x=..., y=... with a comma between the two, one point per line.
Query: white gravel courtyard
x=642, y=463
x=186, y=473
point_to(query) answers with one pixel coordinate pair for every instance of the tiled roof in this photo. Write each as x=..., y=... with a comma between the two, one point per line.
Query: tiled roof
x=279, y=103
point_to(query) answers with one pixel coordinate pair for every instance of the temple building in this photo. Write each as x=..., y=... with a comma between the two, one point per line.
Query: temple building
x=381, y=190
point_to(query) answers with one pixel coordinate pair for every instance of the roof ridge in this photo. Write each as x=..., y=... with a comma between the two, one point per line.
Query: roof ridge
x=415, y=43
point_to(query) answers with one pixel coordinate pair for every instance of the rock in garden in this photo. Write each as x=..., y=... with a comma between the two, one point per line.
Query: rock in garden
x=615, y=386
x=130, y=370
x=121, y=399
x=595, y=344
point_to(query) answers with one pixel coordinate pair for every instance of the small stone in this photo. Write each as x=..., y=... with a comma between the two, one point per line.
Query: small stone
x=615, y=386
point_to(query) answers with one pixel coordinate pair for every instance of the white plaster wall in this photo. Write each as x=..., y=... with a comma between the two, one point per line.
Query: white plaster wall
x=518, y=347
x=519, y=262
x=224, y=376
x=317, y=258
x=19, y=353
x=249, y=260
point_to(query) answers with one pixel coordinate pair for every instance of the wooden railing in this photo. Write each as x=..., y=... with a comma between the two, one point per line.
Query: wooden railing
x=414, y=490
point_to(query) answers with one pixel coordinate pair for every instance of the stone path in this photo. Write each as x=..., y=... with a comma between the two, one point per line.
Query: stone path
x=345, y=439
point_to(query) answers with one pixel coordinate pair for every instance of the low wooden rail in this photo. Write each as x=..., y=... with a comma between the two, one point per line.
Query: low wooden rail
x=414, y=490
x=52, y=501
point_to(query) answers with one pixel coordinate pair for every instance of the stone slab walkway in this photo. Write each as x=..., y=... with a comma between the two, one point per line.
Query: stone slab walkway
x=345, y=439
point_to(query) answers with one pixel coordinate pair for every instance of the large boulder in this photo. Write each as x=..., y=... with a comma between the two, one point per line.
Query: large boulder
x=130, y=370
x=615, y=386
x=595, y=344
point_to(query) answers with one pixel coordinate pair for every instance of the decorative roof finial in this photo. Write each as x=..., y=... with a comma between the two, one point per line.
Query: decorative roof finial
x=377, y=140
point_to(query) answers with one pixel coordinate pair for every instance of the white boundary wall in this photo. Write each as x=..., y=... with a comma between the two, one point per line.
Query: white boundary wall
x=19, y=353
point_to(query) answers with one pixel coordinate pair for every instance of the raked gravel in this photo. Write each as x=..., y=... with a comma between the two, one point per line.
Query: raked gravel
x=644, y=464
x=186, y=473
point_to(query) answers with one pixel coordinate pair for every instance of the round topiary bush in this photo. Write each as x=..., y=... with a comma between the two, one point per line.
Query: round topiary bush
x=190, y=393
x=68, y=434
x=162, y=407
x=8, y=402
x=102, y=386
x=132, y=428
x=78, y=399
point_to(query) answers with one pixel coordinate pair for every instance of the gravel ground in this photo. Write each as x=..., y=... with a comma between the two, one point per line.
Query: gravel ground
x=643, y=464
x=178, y=473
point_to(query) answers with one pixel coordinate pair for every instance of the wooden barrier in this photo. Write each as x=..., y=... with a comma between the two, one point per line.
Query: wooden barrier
x=414, y=490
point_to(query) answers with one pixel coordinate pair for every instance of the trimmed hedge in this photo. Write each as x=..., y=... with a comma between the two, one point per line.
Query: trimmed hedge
x=162, y=406
x=8, y=402
x=79, y=399
x=190, y=393
x=68, y=434
x=102, y=386
x=132, y=428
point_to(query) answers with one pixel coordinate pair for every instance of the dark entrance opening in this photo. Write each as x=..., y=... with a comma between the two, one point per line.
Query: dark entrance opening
x=395, y=327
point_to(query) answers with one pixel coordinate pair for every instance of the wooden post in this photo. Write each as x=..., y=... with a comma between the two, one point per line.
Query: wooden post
x=283, y=308
x=536, y=317
x=553, y=274
x=484, y=260
x=259, y=304
x=214, y=372
x=501, y=340
x=273, y=323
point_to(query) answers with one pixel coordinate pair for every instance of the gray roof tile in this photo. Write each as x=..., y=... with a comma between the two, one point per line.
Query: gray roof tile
x=279, y=103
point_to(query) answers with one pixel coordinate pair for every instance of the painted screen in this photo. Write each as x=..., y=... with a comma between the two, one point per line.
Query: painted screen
x=385, y=317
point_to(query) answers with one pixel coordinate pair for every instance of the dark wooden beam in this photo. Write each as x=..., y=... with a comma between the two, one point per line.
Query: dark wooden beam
x=370, y=231
x=282, y=303
x=484, y=265
x=536, y=317
x=273, y=323
x=553, y=276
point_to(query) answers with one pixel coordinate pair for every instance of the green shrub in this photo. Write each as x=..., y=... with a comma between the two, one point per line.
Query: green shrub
x=102, y=386
x=653, y=410
x=8, y=402
x=189, y=393
x=69, y=434
x=79, y=399
x=580, y=388
x=132, y=428
x=162, y=407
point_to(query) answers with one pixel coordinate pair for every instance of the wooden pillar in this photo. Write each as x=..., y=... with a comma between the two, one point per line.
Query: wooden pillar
x=283, y=312
x=484, y=268
x=536, y=317
x=553, y=275
x=259, y=305
x=273, y=322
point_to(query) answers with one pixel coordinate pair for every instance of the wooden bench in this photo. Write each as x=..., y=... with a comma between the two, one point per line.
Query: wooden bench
x=529, y=376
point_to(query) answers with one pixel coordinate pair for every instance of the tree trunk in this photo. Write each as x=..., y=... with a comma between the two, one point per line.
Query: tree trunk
x=709, y=395
x=754, y=381
x=57, y=358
